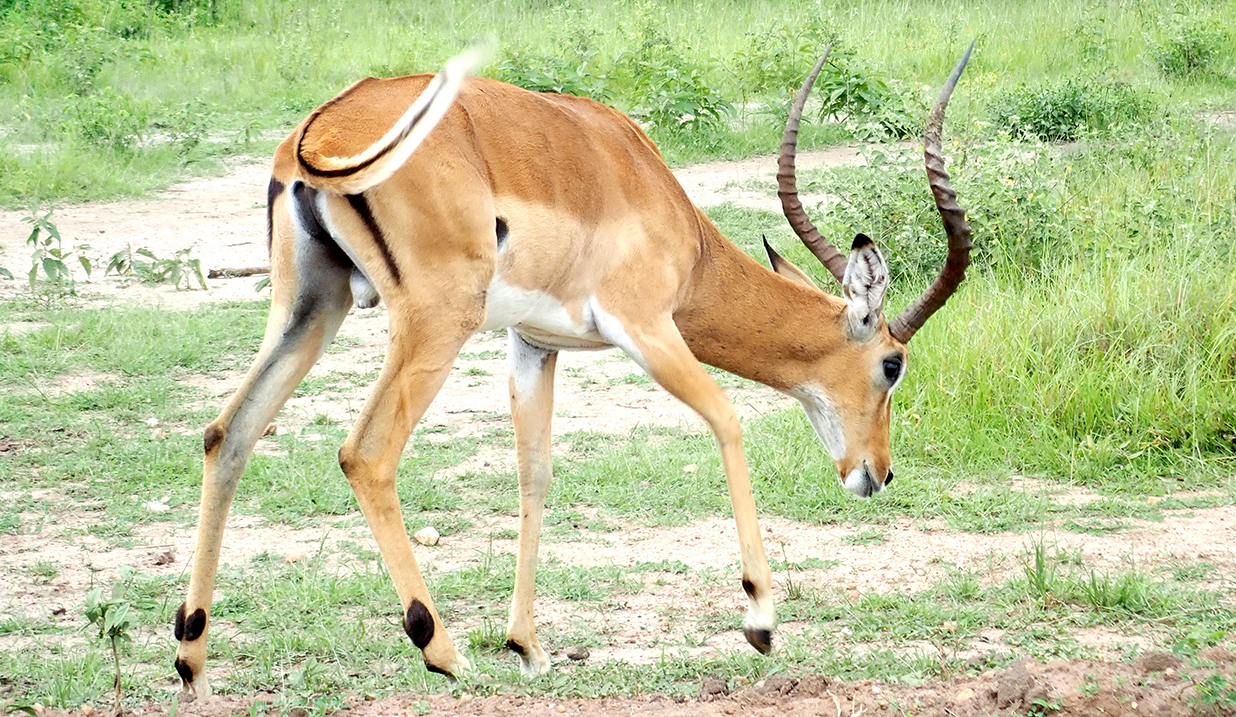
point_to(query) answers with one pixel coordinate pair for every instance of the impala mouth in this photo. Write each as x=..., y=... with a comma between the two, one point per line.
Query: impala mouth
x=862, y=483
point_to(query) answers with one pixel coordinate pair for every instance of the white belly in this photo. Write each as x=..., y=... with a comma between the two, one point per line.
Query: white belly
x=541, y=318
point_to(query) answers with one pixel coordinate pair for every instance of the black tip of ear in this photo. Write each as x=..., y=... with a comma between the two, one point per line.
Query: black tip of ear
x=773, y=256
x=860, y=241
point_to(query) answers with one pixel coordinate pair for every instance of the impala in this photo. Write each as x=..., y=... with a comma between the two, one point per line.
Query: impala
x=554, y=217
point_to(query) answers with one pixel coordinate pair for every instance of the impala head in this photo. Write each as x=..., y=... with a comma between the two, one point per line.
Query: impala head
x=848, y=392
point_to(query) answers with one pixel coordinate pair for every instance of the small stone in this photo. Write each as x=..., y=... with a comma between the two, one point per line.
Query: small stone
x=157, y=506
x=741, y=681
x=965, y=695
x=712, y=687
x=87, y=711
x=298, y=712
x=1153, y=499
x=167, y=557
x=158, y=434
x=690, y=468
x=296, y=556
x=152, y=421
x=561, y=708
x=949, y=626
x=271, y=429
x=579, y=653
x=427, y=535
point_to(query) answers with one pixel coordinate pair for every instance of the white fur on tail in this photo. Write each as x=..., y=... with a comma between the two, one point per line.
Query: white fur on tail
x=355, y=174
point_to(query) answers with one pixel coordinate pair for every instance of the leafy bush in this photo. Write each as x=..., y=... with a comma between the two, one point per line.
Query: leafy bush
x=108, y=119
x=668, y=91
x=1190, y=45
x=1008, y=190
x=547, y=73
x=1066, y=109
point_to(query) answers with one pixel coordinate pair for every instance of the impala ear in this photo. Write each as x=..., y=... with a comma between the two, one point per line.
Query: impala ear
x=866, y=279
x=782, y=266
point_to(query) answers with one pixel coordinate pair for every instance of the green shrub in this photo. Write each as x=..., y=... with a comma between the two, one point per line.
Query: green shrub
x=548, y=73
x=108, y=119
x=1190, y=45
x=1065, y=110
x=1009, y=191
x=668, y=91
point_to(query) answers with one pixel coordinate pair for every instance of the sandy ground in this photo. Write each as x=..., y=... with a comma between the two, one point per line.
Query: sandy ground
x=222, y=220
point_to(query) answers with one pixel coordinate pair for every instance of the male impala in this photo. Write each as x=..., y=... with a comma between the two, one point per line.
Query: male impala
x=553, y=216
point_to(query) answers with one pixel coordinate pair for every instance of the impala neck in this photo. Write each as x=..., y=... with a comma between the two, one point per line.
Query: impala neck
x=742, y=318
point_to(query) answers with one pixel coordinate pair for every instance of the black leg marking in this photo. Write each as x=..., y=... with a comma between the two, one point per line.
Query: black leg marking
x=502, y=231
x=748, y=587
x=361, y=205
x=274, y=189
x=185, y=672
x=180, y=623
x=515, y=647
x=418, y=623
x=195, y=625
x=210, y=441
x=759, y=639
x=439, y=670
x=317, y=265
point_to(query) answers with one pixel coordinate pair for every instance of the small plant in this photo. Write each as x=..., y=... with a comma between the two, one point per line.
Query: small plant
x=145, y=265
x=1041, y=576
x=51, y=258
x=1217, y=693
x=489, y=637
x=1190, y=45
x=113, y=619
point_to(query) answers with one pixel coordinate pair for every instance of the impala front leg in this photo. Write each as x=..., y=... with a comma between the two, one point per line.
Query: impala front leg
x=660, y=349
x=532, y=410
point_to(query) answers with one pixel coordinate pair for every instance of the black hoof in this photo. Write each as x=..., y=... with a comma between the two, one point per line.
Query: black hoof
x=759, y=639
x=440, y=671
x=185, y=672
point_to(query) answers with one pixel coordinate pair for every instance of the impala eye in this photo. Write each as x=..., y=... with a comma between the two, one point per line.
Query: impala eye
x=892, y=369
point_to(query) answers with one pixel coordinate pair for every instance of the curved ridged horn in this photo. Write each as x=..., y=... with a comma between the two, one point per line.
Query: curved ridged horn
x=787, y=182
x=956, y=229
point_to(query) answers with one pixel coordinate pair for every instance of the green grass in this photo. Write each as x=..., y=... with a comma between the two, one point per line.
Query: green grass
x=78, y=81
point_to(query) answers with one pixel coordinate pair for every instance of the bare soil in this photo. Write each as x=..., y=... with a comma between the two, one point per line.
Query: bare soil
x=222, y=220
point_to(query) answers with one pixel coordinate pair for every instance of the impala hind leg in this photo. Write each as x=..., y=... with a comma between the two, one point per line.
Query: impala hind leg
x=532, y=410
x=310, y=298
x=418, y=361
x=657, y=346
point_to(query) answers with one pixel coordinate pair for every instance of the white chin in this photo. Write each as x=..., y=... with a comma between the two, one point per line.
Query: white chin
x=861, y=484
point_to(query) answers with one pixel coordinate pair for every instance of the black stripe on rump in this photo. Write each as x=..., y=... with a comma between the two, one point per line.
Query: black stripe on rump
x=274, y=189
x=300, y=155
x=324, y=254
x=361, y=205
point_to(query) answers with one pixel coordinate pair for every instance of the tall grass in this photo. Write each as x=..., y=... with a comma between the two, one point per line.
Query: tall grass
x=233, y=67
